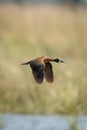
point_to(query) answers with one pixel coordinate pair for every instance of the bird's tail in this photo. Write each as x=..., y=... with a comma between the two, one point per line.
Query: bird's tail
x=26, y=63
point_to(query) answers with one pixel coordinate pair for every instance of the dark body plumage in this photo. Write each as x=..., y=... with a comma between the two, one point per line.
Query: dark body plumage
x=41, y=67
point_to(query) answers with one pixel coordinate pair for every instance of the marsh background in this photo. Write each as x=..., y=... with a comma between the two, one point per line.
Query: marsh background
x=30, y=30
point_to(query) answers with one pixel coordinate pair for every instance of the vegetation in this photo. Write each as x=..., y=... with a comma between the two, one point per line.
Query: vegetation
x=27, y=32
x=2, y=123
x=74, y=124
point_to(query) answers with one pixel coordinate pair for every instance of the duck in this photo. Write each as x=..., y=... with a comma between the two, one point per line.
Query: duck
x=42, y=68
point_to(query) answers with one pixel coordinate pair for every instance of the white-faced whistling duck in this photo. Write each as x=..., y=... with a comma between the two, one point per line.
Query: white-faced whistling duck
x=41, y=67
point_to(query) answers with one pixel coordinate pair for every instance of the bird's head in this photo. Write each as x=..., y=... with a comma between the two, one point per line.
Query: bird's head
x=59, y=60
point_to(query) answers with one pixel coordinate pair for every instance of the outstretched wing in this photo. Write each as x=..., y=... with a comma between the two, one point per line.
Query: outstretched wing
x=49, y=72
x=38, y=71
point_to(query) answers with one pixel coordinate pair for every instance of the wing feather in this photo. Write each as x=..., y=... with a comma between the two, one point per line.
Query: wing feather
x=49, y=72
x=37, y=71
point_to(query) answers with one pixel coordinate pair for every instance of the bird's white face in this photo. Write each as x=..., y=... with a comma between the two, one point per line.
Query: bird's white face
x=61, y=61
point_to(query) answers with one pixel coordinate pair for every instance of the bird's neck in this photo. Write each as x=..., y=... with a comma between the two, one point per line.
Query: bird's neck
x=46, y=60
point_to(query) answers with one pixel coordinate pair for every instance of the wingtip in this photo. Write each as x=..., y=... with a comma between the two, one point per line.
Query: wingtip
x=26, y=63
x=22, y=63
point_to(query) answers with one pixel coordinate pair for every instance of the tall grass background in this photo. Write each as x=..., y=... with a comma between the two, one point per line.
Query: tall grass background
x=27, y=32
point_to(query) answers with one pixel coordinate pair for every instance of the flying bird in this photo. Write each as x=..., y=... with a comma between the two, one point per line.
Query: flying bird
x=41, y=67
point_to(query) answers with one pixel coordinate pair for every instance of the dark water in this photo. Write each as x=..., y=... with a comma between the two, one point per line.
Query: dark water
x=40, y=122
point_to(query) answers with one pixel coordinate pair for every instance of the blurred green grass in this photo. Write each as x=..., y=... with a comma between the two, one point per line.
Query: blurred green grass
x=27, y=32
